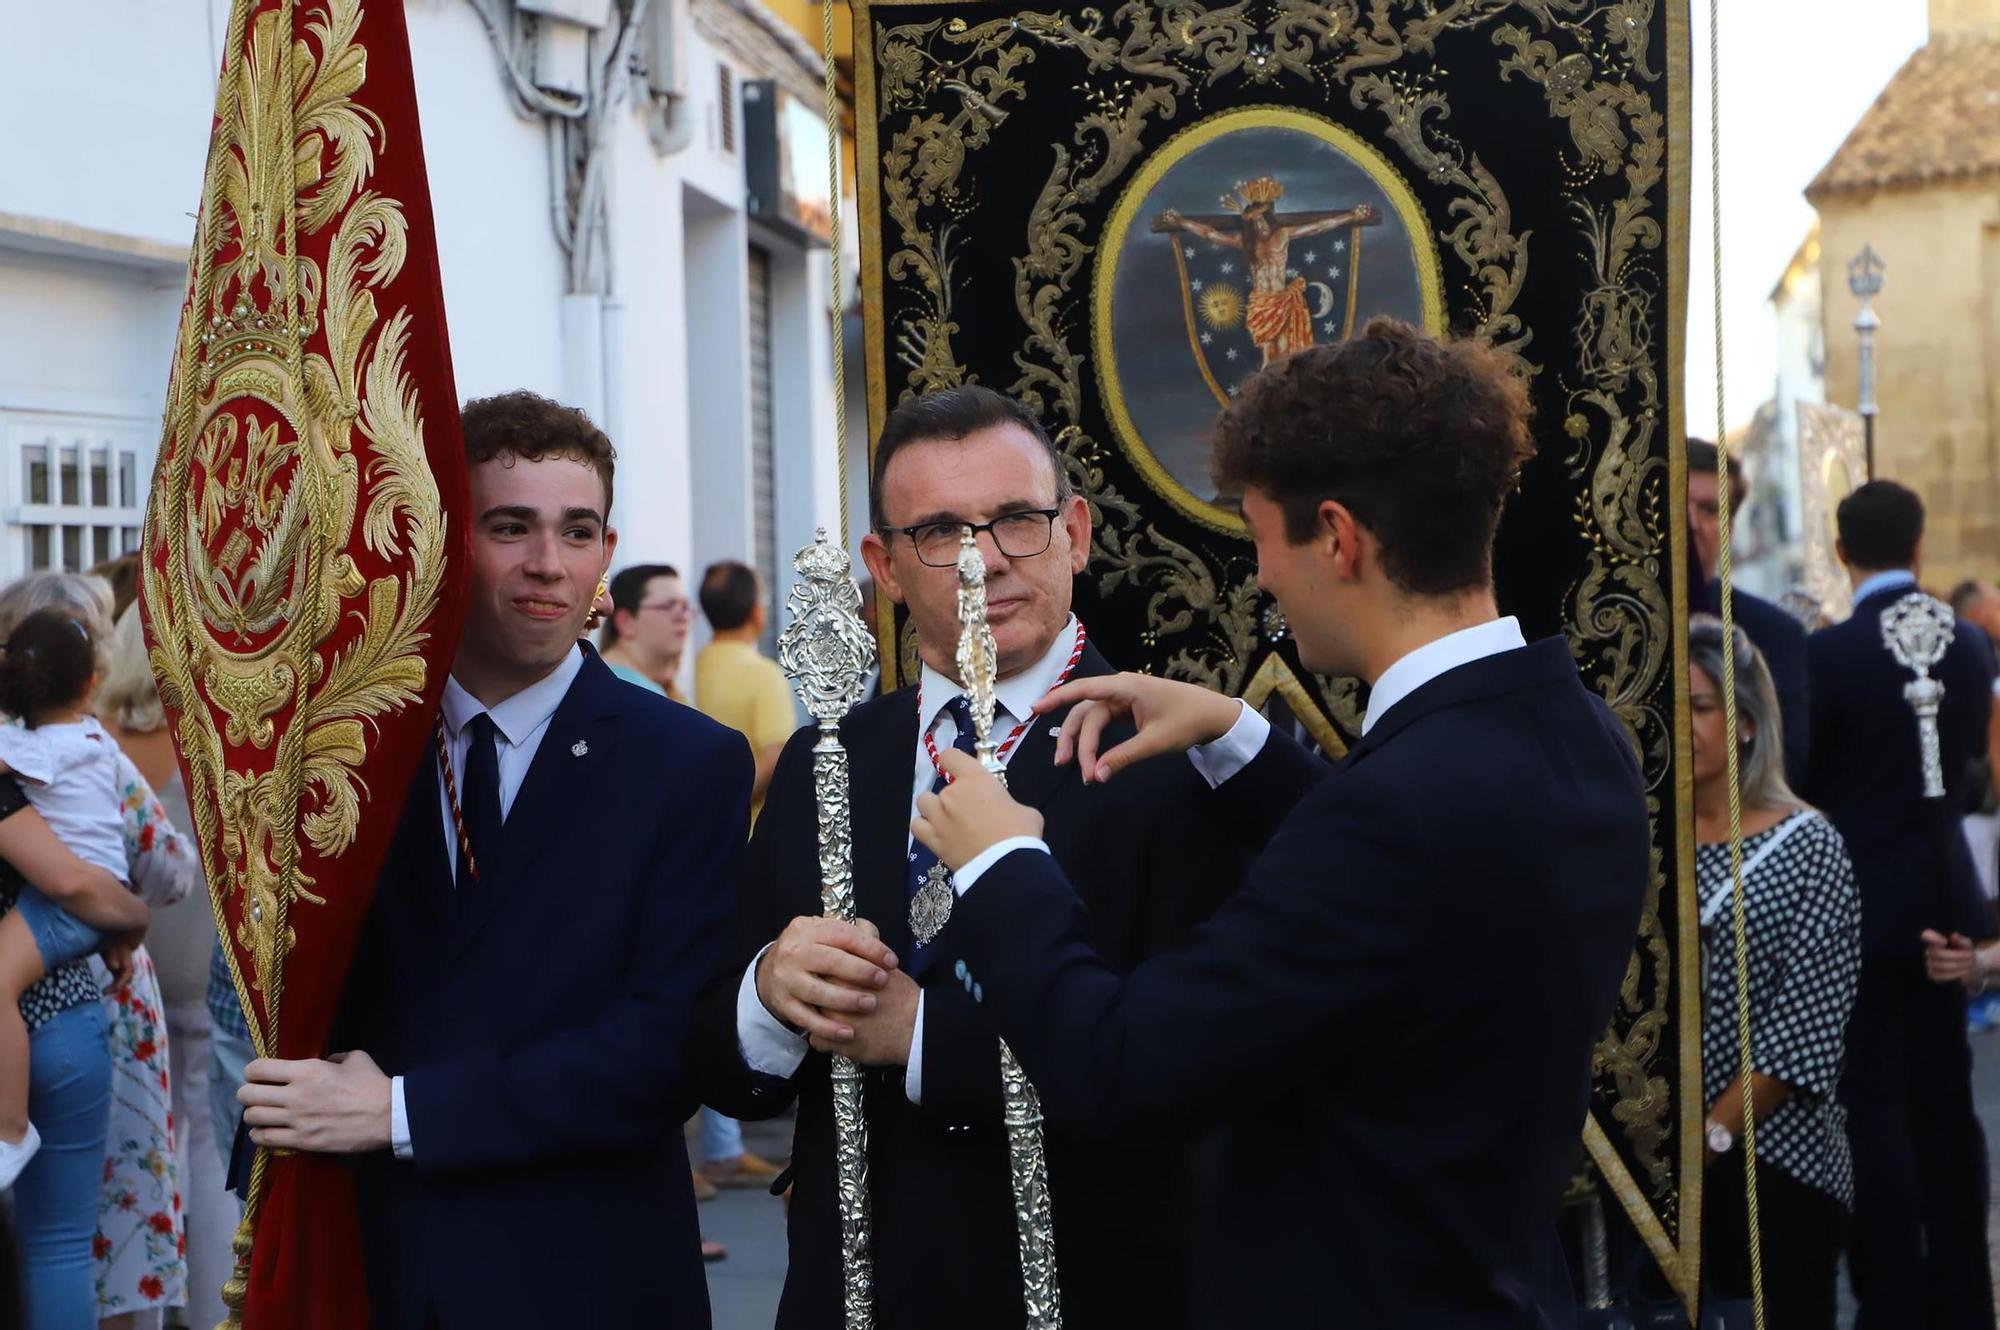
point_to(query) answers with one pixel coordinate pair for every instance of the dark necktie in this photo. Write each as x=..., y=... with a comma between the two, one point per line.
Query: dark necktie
x=479, y=799
x=922, y=861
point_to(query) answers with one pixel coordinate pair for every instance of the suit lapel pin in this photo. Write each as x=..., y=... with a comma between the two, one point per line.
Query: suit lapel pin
x=579, y=748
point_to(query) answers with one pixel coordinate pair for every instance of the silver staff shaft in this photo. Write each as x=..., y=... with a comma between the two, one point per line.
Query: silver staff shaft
x=828, y=651
x=1021, y=1107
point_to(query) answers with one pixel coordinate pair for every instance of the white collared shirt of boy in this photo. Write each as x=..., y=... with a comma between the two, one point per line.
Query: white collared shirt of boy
x=1217, y=761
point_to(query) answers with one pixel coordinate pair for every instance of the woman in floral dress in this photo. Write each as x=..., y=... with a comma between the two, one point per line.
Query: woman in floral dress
x=182, y=942
x=141, y=1242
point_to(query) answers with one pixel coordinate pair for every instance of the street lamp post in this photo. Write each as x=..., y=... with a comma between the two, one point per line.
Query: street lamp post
x=1864, y=279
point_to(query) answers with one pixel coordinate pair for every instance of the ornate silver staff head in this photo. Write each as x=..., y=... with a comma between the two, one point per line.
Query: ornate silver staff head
x=978, y=657
x=826, y=650
x=1917, y=629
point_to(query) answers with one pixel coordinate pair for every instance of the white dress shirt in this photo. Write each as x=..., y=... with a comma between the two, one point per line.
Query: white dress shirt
x=1437, y=657
x=770, y=1048
x=1222, y=758
x=519, y=722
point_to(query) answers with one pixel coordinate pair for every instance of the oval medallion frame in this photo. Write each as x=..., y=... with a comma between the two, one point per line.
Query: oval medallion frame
x=1422, y=249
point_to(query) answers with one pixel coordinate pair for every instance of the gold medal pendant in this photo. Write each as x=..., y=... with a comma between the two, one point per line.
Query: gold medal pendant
x=930, y=908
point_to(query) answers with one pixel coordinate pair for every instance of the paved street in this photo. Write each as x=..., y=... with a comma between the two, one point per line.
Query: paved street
x=744, y=1288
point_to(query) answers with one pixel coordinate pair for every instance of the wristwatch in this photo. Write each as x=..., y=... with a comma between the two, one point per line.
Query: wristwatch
x=1720, y=1139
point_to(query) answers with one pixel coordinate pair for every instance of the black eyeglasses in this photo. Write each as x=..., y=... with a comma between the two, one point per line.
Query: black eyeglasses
x=1020, y=535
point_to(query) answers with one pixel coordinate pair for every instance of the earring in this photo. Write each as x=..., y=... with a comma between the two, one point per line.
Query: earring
x=596, y=616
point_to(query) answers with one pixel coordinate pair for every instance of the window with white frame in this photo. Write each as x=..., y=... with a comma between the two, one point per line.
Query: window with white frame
x=72, y=489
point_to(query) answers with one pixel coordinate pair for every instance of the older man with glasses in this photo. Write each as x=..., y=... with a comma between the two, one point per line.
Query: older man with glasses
x=944, y=1240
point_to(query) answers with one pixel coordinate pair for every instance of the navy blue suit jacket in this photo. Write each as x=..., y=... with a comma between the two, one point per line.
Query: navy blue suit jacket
x=1152, y=866
x=1781, y=640
x=1910, y=861
x=1408, y=989
x=541, y=1022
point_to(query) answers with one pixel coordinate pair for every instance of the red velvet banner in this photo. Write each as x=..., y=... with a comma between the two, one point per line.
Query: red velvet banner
x=303, y=540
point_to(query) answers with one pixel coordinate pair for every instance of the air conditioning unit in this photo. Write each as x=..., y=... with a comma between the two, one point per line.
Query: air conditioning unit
x=562, y=59
x=659, y=50
x=583, y=13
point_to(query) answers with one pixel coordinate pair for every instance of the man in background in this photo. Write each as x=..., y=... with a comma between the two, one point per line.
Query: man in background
x=1977, y=603
x=1780, y=637
x=648, y=628
x=643, y=641
x=733, y=681
x=1918, y=1252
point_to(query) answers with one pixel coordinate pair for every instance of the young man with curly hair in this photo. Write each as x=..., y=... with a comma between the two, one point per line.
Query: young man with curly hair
x=1488, y=833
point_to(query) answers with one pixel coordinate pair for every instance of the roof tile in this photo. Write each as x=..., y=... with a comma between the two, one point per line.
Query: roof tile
x=1937, y=120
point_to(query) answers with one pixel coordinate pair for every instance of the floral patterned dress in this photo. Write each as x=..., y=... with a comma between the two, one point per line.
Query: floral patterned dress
x=141, y=1241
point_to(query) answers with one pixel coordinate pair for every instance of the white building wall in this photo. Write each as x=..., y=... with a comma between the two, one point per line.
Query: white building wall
x=107, y=107
x=96, y=214
x=490, y=196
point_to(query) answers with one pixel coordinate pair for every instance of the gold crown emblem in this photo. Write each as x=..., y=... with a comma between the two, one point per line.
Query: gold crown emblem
x=248, y=331
x=1249, y=194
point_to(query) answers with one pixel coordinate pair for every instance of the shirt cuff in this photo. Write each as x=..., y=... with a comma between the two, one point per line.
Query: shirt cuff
x=962, y=880
x=1219, y=759
x=766, y=1045
x=399, y=1122
x=913, y=1074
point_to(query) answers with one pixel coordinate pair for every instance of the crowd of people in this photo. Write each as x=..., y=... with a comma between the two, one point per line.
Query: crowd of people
x=1867, y=932
x=1195, y=933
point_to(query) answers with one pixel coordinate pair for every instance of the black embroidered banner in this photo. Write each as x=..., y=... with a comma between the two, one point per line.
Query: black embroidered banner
x=1115, y=214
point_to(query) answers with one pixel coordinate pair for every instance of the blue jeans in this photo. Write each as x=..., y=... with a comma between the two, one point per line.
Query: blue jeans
x=721, y=1137
x=60, y=936
x=228, y=1055
x=55, y=1199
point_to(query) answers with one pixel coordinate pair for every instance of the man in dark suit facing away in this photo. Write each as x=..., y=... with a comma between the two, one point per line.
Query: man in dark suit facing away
x=1487, y=834
x=1917, y=1254
x=943, y=1213
x=525, y=1008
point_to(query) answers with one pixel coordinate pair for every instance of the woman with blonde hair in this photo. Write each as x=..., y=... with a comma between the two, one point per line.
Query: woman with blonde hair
x=1802, y=960
x=139, y=1245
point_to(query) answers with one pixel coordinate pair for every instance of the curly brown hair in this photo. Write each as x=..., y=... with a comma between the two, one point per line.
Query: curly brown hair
x=1421, y=439
x=521, y=424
